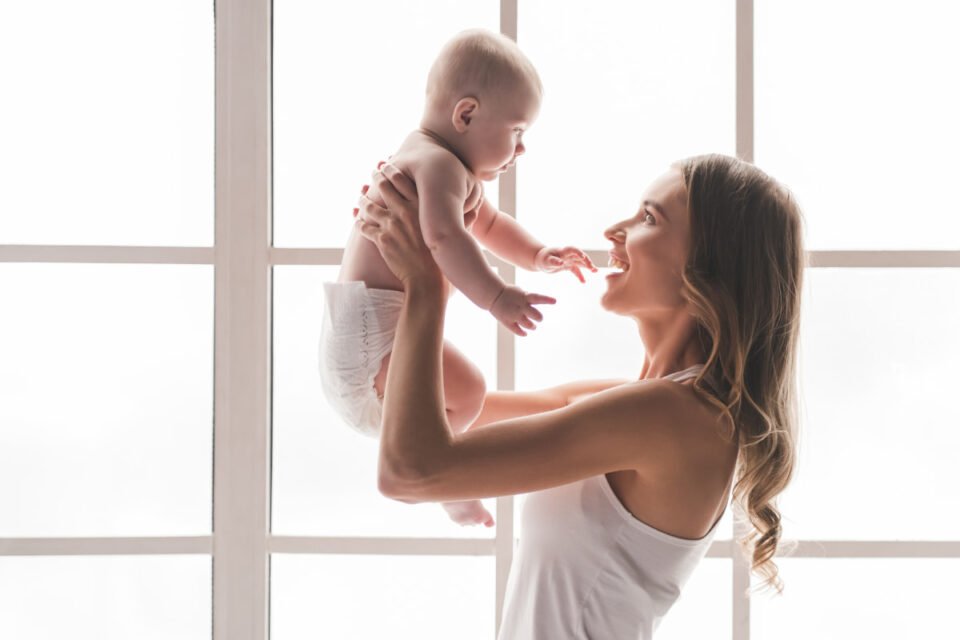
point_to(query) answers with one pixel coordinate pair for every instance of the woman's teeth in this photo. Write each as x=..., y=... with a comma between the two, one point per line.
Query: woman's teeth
x=619, y=264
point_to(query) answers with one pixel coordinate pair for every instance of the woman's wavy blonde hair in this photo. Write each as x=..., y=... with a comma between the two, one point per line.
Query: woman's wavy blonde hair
x=743, y=282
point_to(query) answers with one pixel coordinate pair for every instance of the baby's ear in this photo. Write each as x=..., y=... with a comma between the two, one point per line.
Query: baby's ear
x=463, y=113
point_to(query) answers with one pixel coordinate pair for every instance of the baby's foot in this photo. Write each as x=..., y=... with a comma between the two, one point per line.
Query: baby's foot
x=468, y=512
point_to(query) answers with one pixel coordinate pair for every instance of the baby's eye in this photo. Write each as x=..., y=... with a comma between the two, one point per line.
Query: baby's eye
x=647, y=214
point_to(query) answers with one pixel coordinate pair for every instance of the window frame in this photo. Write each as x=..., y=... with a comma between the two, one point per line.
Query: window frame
x=241, y=544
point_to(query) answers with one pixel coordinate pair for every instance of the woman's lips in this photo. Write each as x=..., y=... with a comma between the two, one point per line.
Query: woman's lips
x=618, y=263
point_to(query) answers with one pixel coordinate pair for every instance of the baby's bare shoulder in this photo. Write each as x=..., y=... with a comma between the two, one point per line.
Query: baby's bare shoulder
x=429, y=163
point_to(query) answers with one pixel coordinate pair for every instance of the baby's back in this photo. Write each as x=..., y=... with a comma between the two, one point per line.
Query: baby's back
x=361, y=258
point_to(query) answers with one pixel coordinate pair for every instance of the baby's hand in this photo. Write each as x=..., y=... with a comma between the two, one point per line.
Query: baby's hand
x=514, y=309
x=550, y=259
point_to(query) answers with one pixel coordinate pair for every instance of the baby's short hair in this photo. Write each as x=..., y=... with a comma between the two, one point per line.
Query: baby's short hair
x=477, y=62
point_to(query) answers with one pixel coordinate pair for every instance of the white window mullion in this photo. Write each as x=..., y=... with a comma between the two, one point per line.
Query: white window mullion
x=744, y=149
x=506, y=350
x=106, y=254
x=242, y=321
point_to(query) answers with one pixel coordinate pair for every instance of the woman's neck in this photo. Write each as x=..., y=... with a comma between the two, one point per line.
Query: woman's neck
x=670, y=344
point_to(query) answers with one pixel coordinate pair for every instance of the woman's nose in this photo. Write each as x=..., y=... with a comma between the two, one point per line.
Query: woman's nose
x=615, y=234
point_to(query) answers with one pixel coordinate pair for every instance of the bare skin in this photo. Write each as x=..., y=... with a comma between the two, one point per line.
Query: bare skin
x=460, y=144
x=662, y=446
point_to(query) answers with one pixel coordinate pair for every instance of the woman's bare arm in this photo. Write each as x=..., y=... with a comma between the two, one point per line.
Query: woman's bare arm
x=503, y=405
x=625, y=427
x=631, y=426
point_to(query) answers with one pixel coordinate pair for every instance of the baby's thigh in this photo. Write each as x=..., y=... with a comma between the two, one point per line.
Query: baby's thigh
x=463, y=383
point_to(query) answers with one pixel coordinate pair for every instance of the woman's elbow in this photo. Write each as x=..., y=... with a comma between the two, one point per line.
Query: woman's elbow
x=390, y=487
x=402, y=487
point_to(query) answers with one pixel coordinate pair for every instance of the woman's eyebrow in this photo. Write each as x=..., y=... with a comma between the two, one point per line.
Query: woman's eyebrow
x=656, y=205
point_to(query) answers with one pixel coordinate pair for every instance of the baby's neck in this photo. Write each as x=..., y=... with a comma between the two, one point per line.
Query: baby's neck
x=444, y=135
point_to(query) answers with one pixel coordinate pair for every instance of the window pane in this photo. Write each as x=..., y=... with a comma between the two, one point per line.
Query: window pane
x=629, y=88
x=324, y=472
x=110, y=137
x=397, y=597
x=880, y=599
x=106, y=399
x=578, y=339
x=343, y=102
x=105, y=597
x=703, y=610
x=863, y=125
x=880, y=431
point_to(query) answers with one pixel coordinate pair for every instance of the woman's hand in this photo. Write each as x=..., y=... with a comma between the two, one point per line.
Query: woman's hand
x=396, y=229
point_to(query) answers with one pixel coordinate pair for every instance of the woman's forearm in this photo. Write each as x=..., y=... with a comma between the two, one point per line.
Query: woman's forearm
x=504, y=405
x=414, y=433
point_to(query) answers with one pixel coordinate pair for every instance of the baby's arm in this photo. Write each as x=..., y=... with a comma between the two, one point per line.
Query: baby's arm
x=442, y=190
x=502, y=234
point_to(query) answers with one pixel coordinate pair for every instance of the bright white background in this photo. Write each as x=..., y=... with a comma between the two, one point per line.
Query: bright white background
x=106, y=370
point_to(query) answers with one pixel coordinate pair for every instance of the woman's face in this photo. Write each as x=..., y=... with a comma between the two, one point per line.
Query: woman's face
x=649, y=252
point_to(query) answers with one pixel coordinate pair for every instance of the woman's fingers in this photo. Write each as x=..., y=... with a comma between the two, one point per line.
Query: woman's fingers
x=404, y=185
x=367, y=230
x=371, y=212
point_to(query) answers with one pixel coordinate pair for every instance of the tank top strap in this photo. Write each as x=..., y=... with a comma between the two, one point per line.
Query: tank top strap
x=686, y=374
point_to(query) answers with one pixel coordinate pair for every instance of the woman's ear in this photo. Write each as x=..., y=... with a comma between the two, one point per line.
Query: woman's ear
x=463, y=113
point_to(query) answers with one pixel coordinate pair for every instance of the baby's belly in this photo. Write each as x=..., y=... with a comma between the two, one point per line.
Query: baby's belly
x=362, y=261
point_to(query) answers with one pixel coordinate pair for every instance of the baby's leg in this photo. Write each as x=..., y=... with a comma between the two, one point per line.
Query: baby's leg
x=463, y=387
x=464, y=390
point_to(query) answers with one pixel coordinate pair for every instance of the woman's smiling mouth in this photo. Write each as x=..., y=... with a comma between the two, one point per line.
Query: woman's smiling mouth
x=618, y=263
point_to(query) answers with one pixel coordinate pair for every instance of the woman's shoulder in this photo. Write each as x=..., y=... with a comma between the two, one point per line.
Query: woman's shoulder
x=687, y=416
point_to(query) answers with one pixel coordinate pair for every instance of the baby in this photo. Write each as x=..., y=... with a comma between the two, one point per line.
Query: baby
x=482, y=94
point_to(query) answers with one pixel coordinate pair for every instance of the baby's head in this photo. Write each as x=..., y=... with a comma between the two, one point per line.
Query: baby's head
x=482, y=94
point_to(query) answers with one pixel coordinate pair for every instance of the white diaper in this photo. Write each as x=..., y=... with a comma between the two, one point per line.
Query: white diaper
x=356, y=333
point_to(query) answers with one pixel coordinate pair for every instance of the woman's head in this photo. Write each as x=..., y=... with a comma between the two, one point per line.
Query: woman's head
x=717, y=244
x=742, y=281
x=650, y=250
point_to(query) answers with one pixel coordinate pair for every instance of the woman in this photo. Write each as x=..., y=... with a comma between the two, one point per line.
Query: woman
x=628, y=480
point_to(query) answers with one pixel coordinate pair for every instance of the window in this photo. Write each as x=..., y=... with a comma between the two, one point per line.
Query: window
x=162, y=429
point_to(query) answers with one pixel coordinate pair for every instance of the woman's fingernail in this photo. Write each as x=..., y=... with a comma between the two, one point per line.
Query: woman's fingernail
x=356, y=210
x=364, y=188
x=380, y=164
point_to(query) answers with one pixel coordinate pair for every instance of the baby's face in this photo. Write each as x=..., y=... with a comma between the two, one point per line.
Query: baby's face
x=496, y=133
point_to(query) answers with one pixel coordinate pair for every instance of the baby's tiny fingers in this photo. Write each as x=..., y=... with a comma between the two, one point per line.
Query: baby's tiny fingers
x=536, y=298
x=517, y=330
x=527, y=323
x=534, y=313
x=576, y=272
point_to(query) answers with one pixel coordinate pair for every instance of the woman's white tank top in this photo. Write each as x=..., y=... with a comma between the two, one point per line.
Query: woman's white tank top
x=587, y=569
